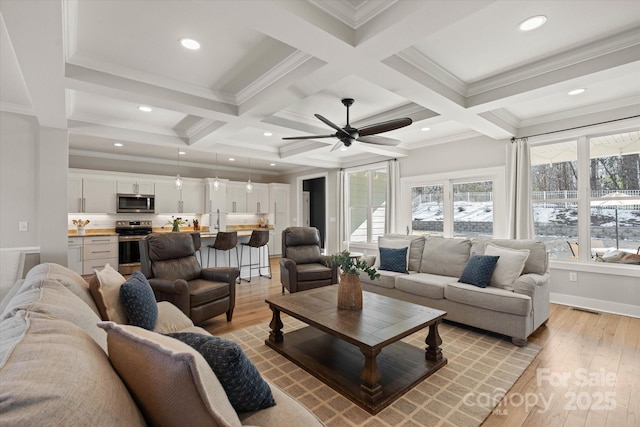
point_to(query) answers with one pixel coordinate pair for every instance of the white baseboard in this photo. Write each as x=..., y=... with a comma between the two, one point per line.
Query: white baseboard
x=596, y=305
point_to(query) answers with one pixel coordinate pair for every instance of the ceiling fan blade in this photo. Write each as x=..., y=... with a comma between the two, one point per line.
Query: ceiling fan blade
x=337, y=146
x=331, y=124
x=310, y=137
x=378, y=140
x=384, y=126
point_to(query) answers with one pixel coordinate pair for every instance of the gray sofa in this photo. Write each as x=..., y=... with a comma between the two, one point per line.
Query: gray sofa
x=55, y=366
x=434, y=266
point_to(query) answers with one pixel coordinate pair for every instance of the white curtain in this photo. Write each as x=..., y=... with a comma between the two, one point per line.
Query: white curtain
x=519, y=212
x=393, y=195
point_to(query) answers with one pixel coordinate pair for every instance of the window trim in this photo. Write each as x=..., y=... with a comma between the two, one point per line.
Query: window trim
x=347, y=214
x=495, y=174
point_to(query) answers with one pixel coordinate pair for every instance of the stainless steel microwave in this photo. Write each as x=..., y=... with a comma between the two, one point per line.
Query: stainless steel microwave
x=135, y=203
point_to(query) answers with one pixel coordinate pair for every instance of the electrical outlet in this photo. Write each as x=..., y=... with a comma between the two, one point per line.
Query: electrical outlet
x=23, y=226
x=573, y=276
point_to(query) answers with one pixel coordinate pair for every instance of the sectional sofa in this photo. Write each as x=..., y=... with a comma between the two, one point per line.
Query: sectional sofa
x=516, y=305
x=61, y=365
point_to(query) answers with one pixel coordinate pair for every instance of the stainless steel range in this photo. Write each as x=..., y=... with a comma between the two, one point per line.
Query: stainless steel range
x=129, y=235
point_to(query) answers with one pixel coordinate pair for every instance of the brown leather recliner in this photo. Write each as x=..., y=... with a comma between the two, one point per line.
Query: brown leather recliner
x=168, y=260
x=302, y=266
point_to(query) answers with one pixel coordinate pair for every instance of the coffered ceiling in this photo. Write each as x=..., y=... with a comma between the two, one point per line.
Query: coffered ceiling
x=459, y=68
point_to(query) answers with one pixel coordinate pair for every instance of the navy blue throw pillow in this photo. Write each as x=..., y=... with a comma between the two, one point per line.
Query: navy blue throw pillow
x=479, y=270
x=245, y=388
x=139, y=302
x=393, y=259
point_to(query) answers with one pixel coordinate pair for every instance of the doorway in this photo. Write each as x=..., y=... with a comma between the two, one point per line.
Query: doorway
x=314, y=199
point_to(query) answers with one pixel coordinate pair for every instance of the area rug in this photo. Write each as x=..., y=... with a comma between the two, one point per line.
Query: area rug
x=481, y=368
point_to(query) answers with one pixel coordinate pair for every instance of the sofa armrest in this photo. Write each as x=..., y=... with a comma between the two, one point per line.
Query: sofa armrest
x=528, y=284
x=369, y=259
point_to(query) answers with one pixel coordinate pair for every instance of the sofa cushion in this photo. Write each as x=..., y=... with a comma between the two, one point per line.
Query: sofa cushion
x=289, y=412
x=445, y=256
x=490, y=298
x=172, y=382
x=171, y=319
x=387, y=279
x=415, y=243
x=393, y=259
x=68, y=278
x=509, y=266
x=424, y=284
x=53, y=373
x=51, y=298
x=538, y=261
x=139, y=302
x=479, y=270
x=245, y=388
x=105, y=289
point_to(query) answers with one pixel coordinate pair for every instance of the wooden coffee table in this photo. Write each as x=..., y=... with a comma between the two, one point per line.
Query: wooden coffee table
x=358, y=352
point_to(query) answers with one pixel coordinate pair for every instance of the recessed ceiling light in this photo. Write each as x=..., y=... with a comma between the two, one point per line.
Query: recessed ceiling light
x=267, y=134
x=145, y=109
x=182, y=152
x=118, y=144
x=425, y=129
x=577, y=91
x=190, y=44
x=532, y=23
x=231, y=159
x=272, y=164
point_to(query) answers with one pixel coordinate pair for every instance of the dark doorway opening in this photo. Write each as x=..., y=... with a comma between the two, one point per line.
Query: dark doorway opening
x=317, y=204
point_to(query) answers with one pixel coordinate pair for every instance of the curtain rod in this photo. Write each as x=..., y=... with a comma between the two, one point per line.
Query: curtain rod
x=513, y=139
x=372, y=163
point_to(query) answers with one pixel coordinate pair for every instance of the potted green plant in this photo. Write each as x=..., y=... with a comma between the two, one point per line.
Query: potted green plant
x=349, y=287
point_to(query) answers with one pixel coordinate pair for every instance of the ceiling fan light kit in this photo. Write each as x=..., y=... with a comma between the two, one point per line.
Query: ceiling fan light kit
x=366, y=134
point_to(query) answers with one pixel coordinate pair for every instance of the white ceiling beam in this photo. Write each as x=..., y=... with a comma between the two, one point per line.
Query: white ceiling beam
x=117, y=133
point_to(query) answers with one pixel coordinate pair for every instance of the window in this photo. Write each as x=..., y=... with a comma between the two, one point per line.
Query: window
x=366, y=199
x=450, y=205
x=586, y=194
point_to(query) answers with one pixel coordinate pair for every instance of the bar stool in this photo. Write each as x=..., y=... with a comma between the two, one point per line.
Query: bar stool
x=259, y=240
x=225, y=241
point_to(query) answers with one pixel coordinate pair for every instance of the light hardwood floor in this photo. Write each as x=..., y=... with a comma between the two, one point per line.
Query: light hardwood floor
x=589, y=363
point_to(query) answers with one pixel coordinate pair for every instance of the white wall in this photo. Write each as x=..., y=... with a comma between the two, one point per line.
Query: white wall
x=19, y=136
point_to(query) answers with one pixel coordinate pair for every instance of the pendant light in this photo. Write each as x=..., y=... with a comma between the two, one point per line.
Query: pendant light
x=216, y=181
x=178, y=180
x=249, y=184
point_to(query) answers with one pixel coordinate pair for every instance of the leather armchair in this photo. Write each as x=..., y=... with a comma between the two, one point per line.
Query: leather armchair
x=169, y=262
x=302, y=266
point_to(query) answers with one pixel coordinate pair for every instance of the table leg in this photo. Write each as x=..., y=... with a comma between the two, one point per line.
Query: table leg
x=433, y=341
x=276, y=326
x=371, y=375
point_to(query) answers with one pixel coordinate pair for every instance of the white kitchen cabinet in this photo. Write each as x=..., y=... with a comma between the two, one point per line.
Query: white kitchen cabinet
x=236, y=197
x=74, y=254
x=91, y=194
x=170, y=200
x=98, y=251
x=135, y=187
x=258, y=199
x=216, y=200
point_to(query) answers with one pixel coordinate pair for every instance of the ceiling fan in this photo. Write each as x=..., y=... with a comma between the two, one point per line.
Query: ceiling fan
x=365, y=134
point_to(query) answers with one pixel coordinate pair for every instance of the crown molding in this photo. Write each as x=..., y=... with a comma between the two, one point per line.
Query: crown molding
x=416, y=58
x=284, y=67
x=352, y=16
x=556, y=62
x=9, y=107
x=444, y=140
x=70, y=28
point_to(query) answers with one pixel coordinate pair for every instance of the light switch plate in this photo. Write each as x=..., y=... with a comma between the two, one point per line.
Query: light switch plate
x=23, y=226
